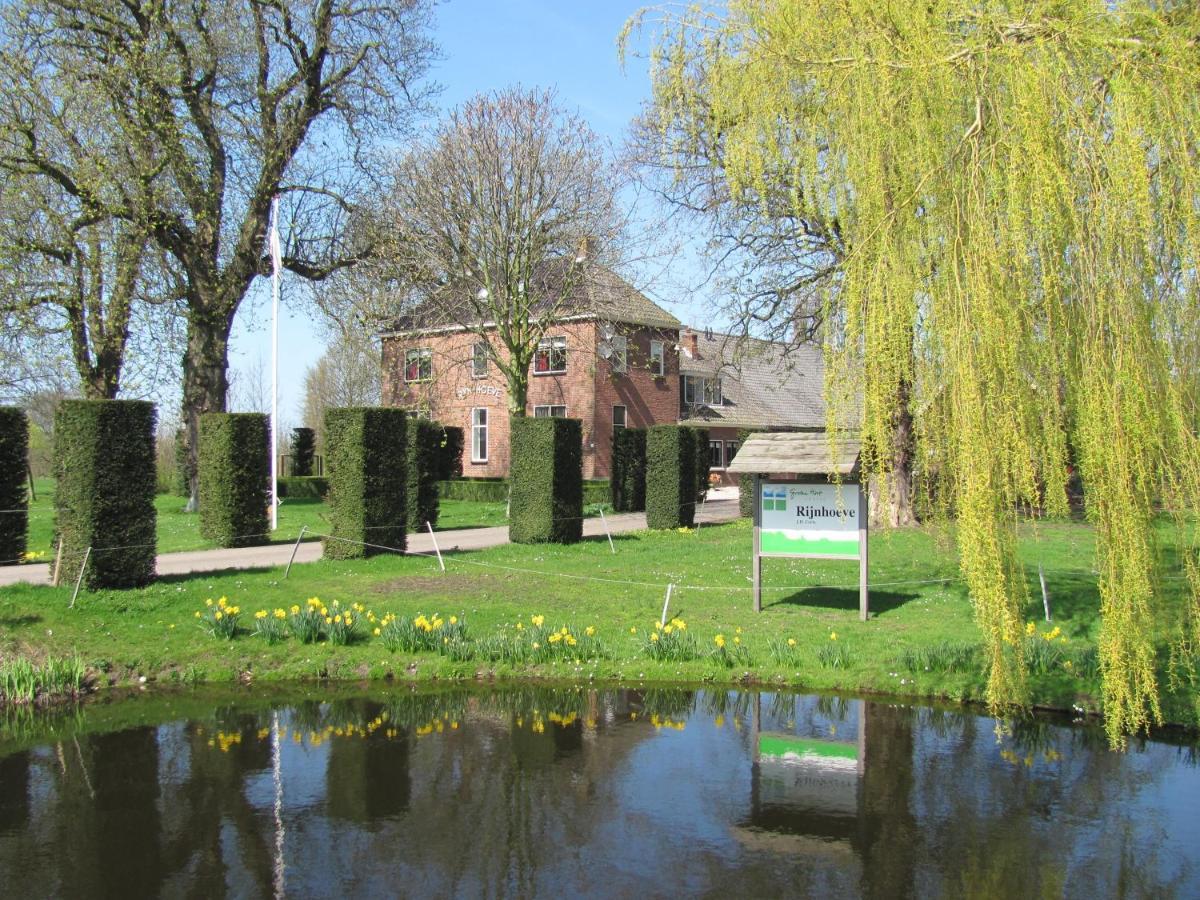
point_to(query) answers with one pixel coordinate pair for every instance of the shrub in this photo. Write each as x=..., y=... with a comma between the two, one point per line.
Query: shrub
x=181, y=481
x=629, y=470
x=745, y=484
x=424, y=449
x=700, y=435
x=450, y=453
x=14, y=500
x=597, y=491
x=546, y=498
x=310, y=487
x=104, y=495
x=235, y=479
x=365, y=452
x=304, y=447
x=476, y=490
x=670, y=477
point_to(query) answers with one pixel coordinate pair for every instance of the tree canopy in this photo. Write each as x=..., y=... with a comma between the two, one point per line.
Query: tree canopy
x=1015, y=189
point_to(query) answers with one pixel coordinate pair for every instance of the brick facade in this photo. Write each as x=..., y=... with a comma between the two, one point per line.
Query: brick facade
x=589, y=389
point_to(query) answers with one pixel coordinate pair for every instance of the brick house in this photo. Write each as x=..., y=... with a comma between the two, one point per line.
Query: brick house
x=617, y=360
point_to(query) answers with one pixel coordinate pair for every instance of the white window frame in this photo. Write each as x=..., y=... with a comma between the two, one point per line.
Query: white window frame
x=477, y=357
x=551, y=347
x=658, y=358
x=424, y=358
x=624, y=423
x=701, y=391
x=479, y=428
x=620, y=354
x=730, y=454
x=719, y=446
x=547, y=411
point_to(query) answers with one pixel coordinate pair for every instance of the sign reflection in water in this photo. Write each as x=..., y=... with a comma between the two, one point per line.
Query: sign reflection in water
x=552, y=792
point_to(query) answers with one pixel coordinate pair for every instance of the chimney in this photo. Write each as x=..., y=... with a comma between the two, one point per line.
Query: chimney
x=585, y=250
x=693, y=344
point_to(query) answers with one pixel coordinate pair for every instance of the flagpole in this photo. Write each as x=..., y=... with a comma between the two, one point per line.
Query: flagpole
x=275, y=266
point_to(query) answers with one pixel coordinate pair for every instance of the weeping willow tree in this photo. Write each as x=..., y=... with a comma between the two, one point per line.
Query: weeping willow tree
x=1016, y=187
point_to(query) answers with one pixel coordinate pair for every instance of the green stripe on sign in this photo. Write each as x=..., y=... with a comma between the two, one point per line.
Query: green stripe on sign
x=777, y=542
x=781, y=745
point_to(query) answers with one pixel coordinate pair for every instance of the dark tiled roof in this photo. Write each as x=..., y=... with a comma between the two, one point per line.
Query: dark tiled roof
x=764, y=384
x=602, y=294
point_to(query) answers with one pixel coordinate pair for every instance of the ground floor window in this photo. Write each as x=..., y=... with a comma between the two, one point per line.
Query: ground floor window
x=479, y=435
x=731, y=449
x=549, y=412
x=715, y=455
x=619, y=421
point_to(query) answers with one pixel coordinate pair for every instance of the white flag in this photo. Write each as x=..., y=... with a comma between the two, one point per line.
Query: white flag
x=273, y=239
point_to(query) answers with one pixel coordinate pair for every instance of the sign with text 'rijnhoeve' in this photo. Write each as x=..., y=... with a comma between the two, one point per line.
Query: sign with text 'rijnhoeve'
x=809, y=520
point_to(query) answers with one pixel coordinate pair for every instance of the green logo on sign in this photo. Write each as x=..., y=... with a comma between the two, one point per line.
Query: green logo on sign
x=774, y=499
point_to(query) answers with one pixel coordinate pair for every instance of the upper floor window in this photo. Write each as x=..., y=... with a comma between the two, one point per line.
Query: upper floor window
x=549, y=412
x=620, y=354
x=479, y=360
x=551, y=356
x=657, y=358
x=418, y=364
x=697, y=390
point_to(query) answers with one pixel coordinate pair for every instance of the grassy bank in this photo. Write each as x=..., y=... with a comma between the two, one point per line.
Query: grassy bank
x=179, y=530
x=920, y=642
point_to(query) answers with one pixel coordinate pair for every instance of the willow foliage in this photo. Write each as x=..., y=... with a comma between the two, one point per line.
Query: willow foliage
x=1016, y=184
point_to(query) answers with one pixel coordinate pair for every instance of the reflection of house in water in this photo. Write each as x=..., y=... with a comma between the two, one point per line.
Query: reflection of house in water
x=846, y=797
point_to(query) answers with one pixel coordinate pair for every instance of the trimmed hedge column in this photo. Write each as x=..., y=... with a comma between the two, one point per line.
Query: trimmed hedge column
x=366, y=462
x=424, y=449
x=745, y=485
x=14, y=499
x=235, y=479
x=703, y=463
x=104, y=491
x=546, y=479
x=670, y=477
x=304, y=445
x=450, y=453
x=629, y=470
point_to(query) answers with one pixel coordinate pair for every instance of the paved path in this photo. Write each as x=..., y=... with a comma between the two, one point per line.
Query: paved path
x=722, y=506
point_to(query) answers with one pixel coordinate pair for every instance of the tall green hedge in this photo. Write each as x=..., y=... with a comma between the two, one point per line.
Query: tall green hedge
x=670, y=477
x=745, y=484
x=451, y=453
x=181, y=482
x=104, y=491
x=366, y=465
x=424, y=448
x=702, y=461
x=235, y=479
x=303, y=448
x=14, y=499
x=629, y=470
x=546, y=475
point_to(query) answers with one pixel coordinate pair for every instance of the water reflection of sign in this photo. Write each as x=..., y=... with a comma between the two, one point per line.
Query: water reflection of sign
x=487, y=390
x=810, y=519
x=806, y=773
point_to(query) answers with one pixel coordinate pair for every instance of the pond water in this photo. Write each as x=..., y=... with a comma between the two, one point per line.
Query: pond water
x=564, y=792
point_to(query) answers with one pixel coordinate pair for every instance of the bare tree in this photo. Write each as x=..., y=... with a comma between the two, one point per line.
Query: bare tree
x=497, y=219
x=348, y=374
x=221, y=107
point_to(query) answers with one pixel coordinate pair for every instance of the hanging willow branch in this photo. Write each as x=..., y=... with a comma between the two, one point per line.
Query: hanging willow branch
x=1016, y=186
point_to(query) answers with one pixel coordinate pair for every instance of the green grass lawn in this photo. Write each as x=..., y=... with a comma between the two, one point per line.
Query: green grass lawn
x=179, y=530
x=919, y=642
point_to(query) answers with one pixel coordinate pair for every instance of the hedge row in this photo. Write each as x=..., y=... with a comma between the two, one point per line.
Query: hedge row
x=495, y=490
x=670, y=476
x=546, y=500
x=745, y=483
x=629, y=470
x=104, y=491
x=451, y=453
x=303, y=449
x=365, y=452
x=310, y=487
x=235, y=479
x=702, y=461
x=14, y=499
x=424, y=463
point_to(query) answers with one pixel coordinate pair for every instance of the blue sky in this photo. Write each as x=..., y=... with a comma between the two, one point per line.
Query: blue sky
x=569, y=46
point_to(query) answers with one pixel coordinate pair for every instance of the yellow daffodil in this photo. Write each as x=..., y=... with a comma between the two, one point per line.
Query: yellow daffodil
x=590, y=630
x=454, y=620
x=654, y=637
x=261, y=614
x=632, y=629
x=833, y=635
x=537, y=620
x=719, y=640
x=791, y=642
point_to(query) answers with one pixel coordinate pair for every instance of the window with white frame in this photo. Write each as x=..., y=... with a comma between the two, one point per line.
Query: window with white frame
x=418, y=364
x=620, y=354
x=716, y=454
x=479, y=435
x=657, y=358
x=731, y=449
x=698, y=390
x=551, y=356
x=549, y=412
x=479, y=360
x=619, y=418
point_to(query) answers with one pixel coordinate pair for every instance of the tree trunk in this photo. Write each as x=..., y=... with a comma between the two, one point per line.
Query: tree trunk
x=900, y=474
x=205, y=383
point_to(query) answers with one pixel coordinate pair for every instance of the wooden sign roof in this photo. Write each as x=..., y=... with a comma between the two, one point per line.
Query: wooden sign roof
x=796, y=453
